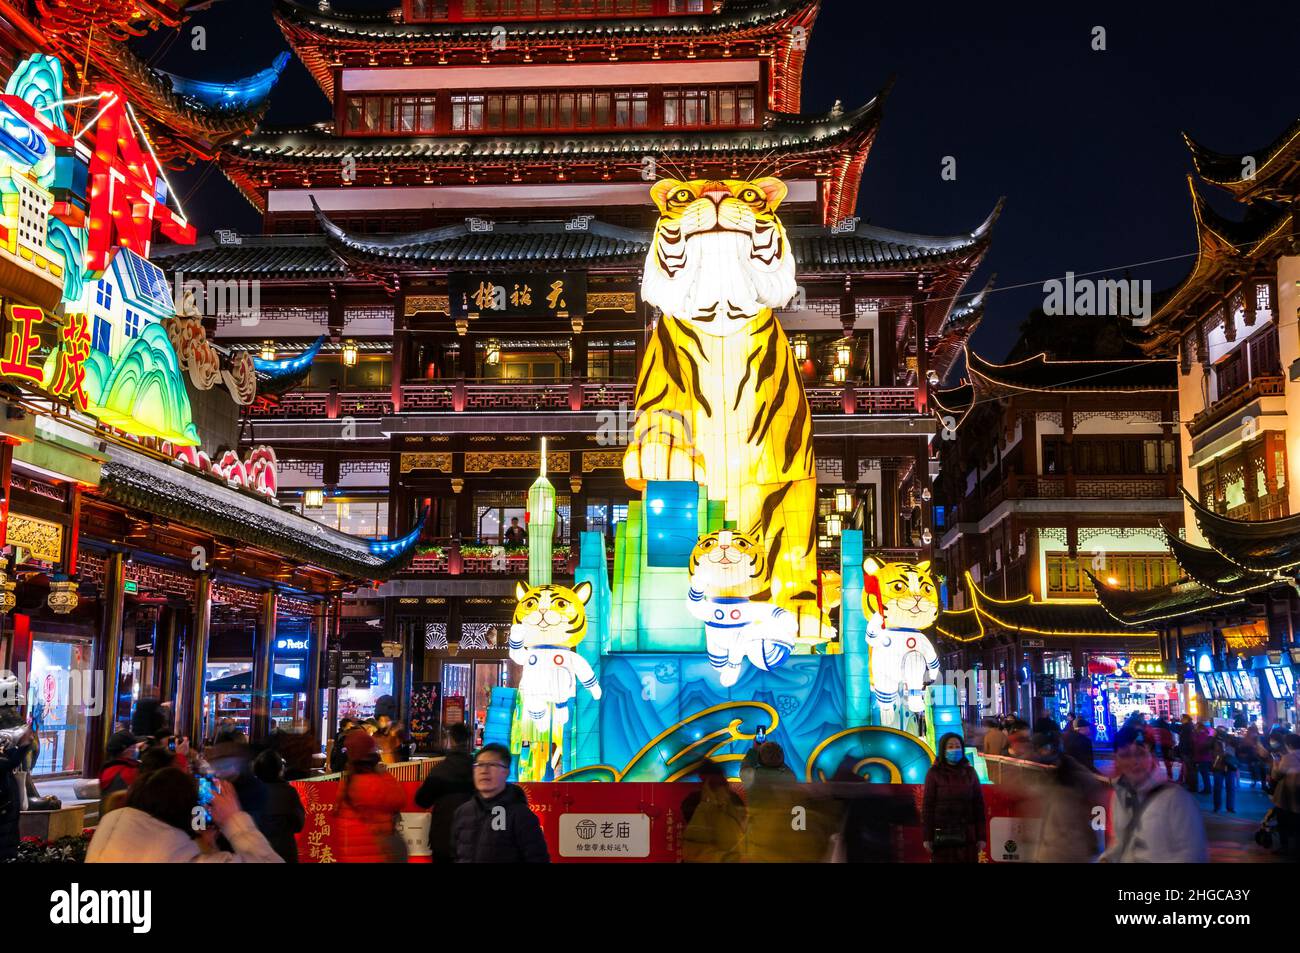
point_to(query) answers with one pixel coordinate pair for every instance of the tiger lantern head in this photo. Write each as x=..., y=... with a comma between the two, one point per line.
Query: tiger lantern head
x=551, y=615
x=727, y=563
x=720, y=254
x=904, y=594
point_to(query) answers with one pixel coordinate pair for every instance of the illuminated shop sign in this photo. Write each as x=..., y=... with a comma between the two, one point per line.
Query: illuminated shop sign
x=531, y=295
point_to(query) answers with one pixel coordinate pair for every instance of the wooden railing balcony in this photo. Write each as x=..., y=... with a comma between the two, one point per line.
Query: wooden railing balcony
x=1068, y=486
x=1271, y=506
x=448, y=557
x=828, y=560
x=1271, y=385
x=450, y=395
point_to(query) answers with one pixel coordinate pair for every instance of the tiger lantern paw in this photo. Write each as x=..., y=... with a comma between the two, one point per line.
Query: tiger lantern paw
x=661, y=454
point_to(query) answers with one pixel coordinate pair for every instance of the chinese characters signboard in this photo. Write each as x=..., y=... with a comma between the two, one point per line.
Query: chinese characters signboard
x=532, y=295
x=604, y=835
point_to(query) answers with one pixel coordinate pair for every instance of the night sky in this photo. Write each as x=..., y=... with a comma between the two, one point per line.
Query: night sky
x=1086, y=146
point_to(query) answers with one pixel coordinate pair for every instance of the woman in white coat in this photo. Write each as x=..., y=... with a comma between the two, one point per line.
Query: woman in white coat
x=164, y=824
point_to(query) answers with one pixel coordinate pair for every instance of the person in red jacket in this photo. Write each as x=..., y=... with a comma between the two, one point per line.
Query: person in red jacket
x=1203, y=752
x=952, y=812
x=368, y=806
x=121, y=768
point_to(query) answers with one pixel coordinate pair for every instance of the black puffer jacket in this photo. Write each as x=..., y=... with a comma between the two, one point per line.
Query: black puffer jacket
x=14, y=744
x=448, y=786
x=480, y=834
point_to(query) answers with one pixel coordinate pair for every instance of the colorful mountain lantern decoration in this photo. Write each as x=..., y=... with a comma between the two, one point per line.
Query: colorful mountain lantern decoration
x=143, y=392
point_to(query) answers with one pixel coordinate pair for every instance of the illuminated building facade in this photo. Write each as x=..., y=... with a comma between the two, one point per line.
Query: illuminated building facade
x=1056, y=469
x=1230, y=326
x=469, y=235
x=133, y=547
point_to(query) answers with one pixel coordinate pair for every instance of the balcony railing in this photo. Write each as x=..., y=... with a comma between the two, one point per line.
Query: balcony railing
x=1069, y=486
x=448, y=396
x=1271, y=506
x=445, y=557
x=1226, y=406
x=829, y=559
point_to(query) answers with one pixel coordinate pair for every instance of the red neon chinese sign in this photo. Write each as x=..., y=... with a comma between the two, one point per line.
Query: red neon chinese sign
x=70, y=375
x=19, y=344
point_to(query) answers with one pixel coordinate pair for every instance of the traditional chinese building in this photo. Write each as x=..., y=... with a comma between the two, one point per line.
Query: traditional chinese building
x=468, y=234
x=1052, y=470
x=1229, y=324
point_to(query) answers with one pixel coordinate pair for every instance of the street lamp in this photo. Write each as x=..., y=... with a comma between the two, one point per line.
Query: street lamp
x=844, y=499
x=350, y=354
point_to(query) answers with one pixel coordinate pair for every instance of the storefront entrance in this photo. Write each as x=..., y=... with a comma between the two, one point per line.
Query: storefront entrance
x=58, y=686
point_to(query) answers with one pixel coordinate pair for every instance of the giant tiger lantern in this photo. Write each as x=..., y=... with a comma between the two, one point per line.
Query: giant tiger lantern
x=716, y=625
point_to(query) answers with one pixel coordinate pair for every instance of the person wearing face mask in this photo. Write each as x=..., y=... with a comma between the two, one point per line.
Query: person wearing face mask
x=952, y=811
x=1153, y=821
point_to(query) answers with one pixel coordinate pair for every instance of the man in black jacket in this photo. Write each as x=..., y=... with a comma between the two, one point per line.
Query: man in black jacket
x=496, y=826
x=448, y=786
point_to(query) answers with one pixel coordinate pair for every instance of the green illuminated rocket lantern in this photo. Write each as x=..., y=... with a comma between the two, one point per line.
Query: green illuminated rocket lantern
x=541, y=526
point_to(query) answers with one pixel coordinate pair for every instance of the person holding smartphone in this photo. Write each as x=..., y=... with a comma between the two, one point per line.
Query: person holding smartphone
x=163, y=823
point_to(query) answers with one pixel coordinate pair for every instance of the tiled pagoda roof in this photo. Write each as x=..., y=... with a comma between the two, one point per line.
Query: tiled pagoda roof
x=318, y=145
x=533, y=243
x=1263, y=173
x=1165, y=603
x=324, y=39
x=1039, y=373
x=1259, y=546
x=1026, y=616
x=172, y=492
x=737, y=17
x=286, y=257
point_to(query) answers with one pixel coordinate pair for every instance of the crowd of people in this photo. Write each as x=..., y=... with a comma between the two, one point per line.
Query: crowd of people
x=1196, y=758
x=164, y=800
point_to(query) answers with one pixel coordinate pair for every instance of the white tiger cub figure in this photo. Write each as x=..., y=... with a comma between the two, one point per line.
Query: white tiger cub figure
x=719, y=395
x=726, y=569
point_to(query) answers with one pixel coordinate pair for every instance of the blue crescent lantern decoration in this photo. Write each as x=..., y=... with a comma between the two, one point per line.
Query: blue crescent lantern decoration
x=20, y=139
